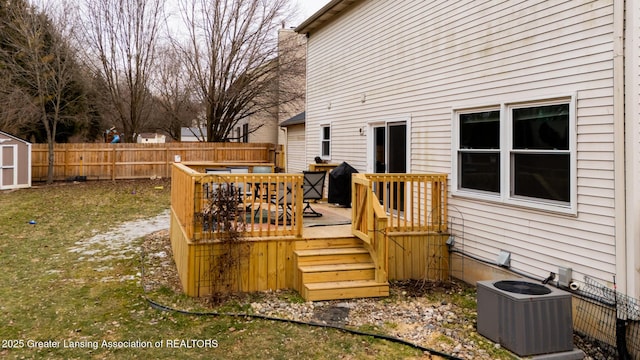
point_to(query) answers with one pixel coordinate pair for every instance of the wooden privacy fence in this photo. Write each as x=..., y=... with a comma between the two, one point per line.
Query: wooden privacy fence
x=101, y=161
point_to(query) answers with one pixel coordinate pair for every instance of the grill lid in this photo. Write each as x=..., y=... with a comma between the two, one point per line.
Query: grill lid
x=522, y=287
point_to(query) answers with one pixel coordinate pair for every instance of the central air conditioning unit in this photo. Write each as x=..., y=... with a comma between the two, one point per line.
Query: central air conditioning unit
x=524, y=317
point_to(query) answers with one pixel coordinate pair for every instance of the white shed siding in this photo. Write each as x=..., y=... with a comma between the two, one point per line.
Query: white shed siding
x=420, y=60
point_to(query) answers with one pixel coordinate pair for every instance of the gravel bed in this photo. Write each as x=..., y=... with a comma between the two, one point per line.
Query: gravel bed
x=438, y=316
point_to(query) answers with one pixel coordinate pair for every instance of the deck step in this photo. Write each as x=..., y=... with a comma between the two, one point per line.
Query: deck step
x=332, y=256
x=336, y=272
x=335, y=290
x=328, y=243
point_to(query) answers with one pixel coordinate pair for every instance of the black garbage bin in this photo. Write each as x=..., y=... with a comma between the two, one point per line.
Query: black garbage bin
x=340, y=184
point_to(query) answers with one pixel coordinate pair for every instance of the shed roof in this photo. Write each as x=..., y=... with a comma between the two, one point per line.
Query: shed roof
x=323, y=16
x=4, y=134
x=294, y=120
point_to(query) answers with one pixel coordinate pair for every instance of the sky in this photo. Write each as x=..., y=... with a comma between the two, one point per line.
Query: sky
x=309, y=7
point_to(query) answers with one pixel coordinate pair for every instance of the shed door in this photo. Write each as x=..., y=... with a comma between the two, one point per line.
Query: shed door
x=8, y=160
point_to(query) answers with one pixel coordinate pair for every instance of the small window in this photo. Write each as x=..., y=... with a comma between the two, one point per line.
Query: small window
x=245, y=133
x=479, y=153
x=325, y=145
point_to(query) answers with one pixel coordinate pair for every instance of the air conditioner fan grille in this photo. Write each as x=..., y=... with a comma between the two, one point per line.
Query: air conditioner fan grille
x=522, y=287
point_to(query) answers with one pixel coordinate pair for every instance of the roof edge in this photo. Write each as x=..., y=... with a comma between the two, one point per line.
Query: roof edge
x=14, y=137
x=322, y=16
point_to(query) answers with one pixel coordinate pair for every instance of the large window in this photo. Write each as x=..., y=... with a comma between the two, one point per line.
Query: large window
x=325, y=143
x=516, y=152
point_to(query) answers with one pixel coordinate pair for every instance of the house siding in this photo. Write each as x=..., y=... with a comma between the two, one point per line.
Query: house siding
x=419, y=61
x=632, y=140
x=296, y=159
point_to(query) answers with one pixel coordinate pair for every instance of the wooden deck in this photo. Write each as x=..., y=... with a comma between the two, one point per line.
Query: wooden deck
x=326, y=257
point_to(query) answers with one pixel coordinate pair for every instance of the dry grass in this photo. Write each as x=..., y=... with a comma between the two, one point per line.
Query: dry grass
x=94, y=298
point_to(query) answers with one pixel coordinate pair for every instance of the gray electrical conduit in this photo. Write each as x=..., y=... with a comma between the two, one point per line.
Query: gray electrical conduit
x=578, y=293
x=156, y=305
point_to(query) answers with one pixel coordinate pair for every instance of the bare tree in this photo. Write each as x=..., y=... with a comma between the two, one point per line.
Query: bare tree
x=40, y=61
x=17, y=110
x=231, y=52
x=174, y=94
x=121, y=40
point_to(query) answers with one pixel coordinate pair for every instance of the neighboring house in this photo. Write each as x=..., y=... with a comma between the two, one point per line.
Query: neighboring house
x=531, y=107
x=292, y=84
x=152, y=138
x=290, y=94
x=294, y=144
x=258, y=128
x=193, y=134
x=15, y=162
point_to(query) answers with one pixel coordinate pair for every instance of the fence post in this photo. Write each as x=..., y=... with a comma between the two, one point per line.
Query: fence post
x=113, y=165
x=167, y=162
x=435, y=203
x=66, y=163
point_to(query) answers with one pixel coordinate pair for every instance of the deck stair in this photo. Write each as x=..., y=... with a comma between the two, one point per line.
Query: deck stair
x=340, y=268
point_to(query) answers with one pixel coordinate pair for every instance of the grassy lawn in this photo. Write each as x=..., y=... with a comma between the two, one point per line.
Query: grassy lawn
x=57, y=302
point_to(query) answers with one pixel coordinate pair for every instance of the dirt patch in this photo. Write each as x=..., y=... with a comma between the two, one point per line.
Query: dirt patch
x=159, y=269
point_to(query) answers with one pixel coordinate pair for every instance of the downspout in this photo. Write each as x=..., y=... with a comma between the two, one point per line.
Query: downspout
x=619, y=145
x=285, y=157
x=632, y=147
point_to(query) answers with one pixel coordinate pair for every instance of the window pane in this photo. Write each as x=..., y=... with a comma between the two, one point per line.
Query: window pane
x=541, y=127
x=326, y=133
x=480, y=171
x=325, y=148
x=543, y=176
x=480, y=130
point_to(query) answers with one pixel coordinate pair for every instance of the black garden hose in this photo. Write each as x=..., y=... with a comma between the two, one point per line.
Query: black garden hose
x=158, y=306
x=154, y=304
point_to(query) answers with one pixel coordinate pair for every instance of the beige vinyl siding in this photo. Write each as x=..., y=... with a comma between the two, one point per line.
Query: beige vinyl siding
x=419, y=61
x=632, y=127
x=296, y=160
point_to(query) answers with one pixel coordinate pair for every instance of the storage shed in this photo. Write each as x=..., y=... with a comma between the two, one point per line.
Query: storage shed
x=15, y=162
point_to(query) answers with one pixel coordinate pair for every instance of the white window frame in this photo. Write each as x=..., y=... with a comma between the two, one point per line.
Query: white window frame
x=506, y=151
x=371, y=125
x=323, y=140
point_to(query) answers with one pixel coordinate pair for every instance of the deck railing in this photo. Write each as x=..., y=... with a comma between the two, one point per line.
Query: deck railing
x=369, y=223
x=271, y=204
x=263, y=205
x=413, y=202
x=385, y=205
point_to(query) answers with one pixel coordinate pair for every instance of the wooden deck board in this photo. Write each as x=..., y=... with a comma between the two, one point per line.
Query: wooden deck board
x=332, y=251
x=336, y=267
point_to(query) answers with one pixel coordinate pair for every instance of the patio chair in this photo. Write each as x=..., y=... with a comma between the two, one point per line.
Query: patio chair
x=209, y=189
x=312, y=189
x=283, y=198
x=240, y=186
